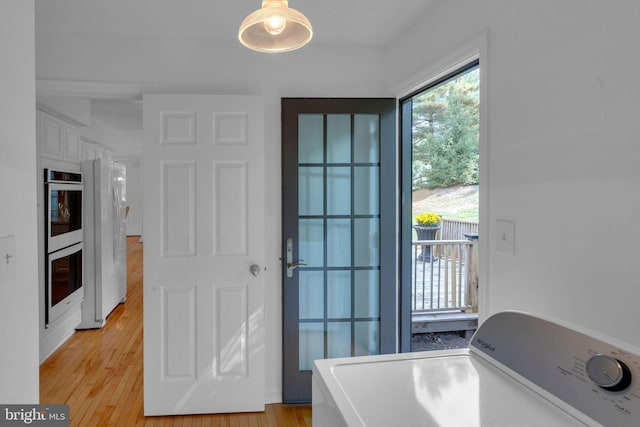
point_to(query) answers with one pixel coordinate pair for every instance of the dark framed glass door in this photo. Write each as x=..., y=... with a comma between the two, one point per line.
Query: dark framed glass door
x=339, y=233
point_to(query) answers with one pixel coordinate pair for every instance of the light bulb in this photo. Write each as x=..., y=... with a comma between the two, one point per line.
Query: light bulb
x=275, y=25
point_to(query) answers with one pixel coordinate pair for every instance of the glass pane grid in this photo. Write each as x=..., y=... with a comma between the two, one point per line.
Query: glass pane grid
x=350, y=296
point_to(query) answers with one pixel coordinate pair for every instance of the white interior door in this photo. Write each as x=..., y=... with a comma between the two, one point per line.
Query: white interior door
x=203, y=177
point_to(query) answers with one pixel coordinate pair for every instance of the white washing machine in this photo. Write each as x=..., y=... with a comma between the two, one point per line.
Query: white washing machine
x=519, y=370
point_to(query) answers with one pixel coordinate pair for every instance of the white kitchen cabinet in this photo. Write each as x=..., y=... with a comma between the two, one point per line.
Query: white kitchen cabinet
x=71, y=144
x=57, y=139
x=50, y=138
x=89, y=151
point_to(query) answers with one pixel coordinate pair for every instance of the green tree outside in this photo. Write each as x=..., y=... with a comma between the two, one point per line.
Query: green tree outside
x=446, y=133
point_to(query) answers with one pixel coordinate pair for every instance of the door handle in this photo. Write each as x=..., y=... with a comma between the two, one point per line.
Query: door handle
x=295, y=265
x=291, y=265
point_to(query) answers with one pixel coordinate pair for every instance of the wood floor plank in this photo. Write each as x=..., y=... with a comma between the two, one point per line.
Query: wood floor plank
x=99, y=373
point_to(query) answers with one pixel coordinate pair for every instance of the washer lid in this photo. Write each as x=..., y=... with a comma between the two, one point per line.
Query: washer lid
x=450, y=390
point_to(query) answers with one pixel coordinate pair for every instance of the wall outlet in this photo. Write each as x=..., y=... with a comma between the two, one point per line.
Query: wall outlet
x=506, y=236
x=7, y=258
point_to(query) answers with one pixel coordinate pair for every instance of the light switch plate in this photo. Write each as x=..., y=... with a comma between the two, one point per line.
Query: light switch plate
x=7, y=258
x=506, y=236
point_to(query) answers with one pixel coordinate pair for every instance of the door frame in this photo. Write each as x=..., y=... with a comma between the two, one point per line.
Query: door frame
x=473, y=55
x=387, y=109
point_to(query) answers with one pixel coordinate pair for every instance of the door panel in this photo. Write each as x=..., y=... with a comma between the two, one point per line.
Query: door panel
x=203, y=309
x=339, y=301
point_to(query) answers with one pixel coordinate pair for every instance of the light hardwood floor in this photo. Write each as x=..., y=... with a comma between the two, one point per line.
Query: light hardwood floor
x=99, y=373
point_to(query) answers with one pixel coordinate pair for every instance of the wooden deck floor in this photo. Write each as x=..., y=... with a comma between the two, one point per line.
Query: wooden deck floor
x=99, y=373
x=429, y=281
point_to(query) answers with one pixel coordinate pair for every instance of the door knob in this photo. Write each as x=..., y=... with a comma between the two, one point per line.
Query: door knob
x=255, y=270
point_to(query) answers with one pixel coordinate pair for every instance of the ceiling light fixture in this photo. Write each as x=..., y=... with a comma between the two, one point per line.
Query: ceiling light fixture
x=275, y=27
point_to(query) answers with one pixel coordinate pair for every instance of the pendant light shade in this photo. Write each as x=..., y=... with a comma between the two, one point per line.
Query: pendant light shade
x=275, y=28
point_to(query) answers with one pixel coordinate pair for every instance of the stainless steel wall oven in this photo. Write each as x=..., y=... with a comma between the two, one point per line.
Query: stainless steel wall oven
x=63, y=241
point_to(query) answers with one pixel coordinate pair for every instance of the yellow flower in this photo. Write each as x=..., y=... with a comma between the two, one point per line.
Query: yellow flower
x=428, y=219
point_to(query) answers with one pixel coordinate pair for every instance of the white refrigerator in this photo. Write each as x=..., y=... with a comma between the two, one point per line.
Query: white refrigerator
x=105, y=242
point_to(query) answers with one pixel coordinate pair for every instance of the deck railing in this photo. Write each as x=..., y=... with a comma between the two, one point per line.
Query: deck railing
x=444, y=274
x=453, y=229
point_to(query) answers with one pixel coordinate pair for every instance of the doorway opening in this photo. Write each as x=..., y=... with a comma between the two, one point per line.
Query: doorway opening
x=440, y=170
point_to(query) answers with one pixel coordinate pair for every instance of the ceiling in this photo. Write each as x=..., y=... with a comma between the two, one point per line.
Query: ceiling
x=357, y=23
x=371, y=23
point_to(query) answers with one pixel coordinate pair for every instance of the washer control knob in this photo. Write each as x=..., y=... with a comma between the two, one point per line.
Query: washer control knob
x=608, y=373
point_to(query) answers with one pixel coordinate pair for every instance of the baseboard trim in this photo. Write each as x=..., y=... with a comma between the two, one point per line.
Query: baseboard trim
x=272, y=396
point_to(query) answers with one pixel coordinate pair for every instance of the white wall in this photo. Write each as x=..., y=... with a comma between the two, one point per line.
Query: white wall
x=199, y=66
x=563, y=150
x=19, y=375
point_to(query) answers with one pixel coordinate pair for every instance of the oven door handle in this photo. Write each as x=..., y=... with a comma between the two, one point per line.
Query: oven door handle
x=65, y=187
x=61, y=253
